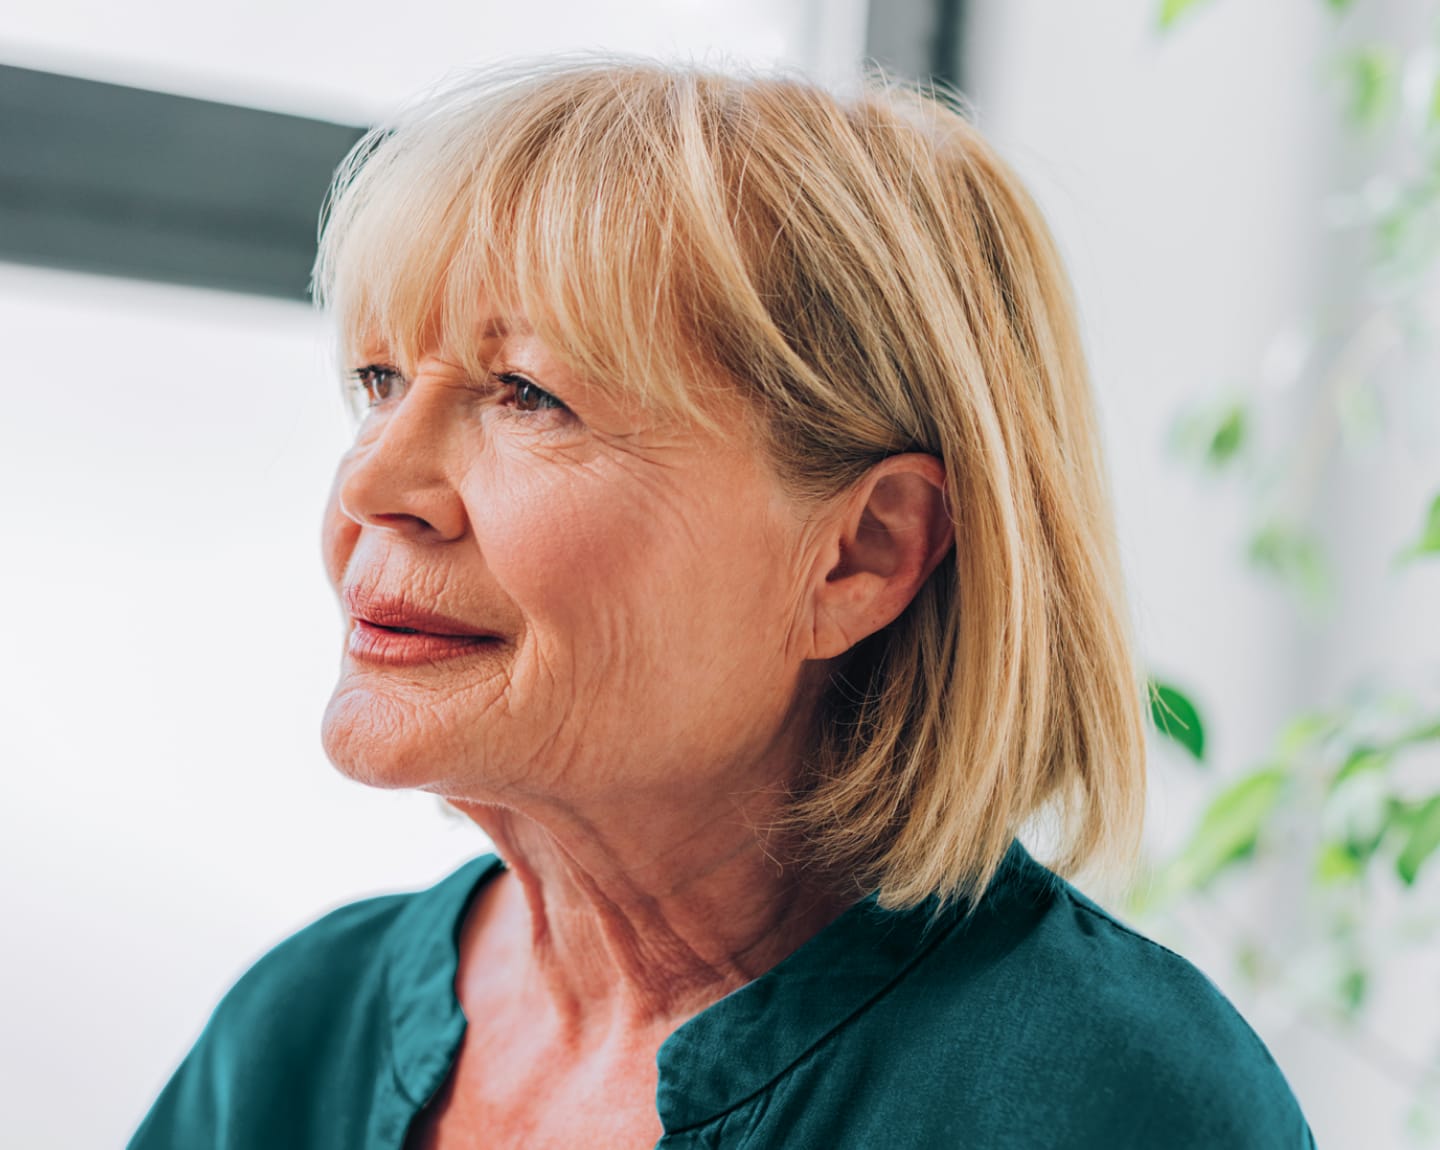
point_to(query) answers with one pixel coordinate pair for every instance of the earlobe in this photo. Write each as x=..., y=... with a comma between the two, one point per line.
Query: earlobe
x=893, y=530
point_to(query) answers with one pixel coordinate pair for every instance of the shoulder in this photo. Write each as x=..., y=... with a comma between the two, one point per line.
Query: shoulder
x=311, y=1020
x=343, y=955
x=343, y=946
x=1126, y=1039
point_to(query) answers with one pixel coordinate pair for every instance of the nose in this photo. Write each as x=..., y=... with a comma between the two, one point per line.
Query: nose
x=396, y=477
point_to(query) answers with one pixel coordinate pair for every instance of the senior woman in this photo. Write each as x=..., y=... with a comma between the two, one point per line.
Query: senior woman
x=726, y=535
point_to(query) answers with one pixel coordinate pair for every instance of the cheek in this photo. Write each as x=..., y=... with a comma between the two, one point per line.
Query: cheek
x=636, y=576
x=568, y=550
x=338, y=534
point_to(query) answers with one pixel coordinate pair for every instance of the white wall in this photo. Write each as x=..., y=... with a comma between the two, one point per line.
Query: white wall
x=169, y=641
x=352, y=60
x=1170, y=171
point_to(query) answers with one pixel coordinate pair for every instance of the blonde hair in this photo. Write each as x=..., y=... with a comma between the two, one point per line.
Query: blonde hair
x=874, y=280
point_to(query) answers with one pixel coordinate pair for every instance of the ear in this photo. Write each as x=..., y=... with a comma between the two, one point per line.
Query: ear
x=892, y=531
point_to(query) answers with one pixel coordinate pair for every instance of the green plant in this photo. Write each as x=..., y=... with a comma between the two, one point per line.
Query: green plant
x=1349, y=793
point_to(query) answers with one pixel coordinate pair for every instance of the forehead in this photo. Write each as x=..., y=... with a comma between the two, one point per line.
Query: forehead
x=434, y=337
x=427, y=300
x=455, y=230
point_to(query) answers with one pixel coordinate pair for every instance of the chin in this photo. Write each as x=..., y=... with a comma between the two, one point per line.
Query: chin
x=368, y=739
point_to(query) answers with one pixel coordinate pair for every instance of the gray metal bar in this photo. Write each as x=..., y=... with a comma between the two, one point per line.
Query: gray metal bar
x=104, y=178
x=918, y=39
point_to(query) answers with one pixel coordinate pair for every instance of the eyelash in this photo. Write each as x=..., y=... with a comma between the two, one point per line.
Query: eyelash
x=366, y=383
x=543, y=400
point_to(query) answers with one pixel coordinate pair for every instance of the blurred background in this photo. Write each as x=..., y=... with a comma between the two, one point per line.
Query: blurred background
x=1248, y=196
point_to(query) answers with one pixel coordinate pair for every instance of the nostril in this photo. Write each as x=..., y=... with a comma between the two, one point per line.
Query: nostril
x=412, y=523
x=398, y=479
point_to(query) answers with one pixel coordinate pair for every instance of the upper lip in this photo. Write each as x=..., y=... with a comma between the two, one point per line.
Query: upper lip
x=395, y=611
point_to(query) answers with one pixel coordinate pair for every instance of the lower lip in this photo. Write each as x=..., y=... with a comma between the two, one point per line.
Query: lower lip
x=371, y=644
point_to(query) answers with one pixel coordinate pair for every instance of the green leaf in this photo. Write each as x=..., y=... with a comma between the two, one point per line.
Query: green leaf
x=1361, y=761
x=1172, y=10
x=1362, y=845
x=1214, y=434
x=1370, y=75
x=1306, y=729
x=1423, y=839
x=1250, y=962
x=1354, y=984
x=1229, y=830
x=1228, y=437
x=1364, y=759
x=1357, y=406
x=1339, y=5
x=1429, y=541
x=1337, y=863
x=1425, y=733
x=1295, y=556
x=1360, y=820
x=1422, y=1123
x=1177, y=718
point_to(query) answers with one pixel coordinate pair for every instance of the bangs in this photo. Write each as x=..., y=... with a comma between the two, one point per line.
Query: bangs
x=564, y=202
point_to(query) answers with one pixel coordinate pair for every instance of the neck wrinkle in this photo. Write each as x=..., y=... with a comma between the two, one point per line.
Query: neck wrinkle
x=640, y=948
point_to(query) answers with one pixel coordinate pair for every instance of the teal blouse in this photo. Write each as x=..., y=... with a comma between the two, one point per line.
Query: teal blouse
x=1040, y=1021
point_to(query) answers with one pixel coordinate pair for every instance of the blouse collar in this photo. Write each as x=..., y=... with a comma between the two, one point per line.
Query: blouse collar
x=739, y=1045
x=725, y=1054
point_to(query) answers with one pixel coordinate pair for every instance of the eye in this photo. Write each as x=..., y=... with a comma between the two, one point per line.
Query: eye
x=374, y=383
x=529, y=396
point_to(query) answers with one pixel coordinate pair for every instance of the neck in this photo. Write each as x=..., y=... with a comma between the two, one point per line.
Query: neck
x=645, y=929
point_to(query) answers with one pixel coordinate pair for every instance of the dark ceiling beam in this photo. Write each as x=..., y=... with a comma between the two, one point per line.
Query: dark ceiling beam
x=918, y=39
x=104, y=178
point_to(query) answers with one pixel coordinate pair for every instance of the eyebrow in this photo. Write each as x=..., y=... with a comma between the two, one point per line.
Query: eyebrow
x=498, y=327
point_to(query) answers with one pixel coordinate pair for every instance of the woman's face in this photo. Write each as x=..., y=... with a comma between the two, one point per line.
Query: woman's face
x=551, y=594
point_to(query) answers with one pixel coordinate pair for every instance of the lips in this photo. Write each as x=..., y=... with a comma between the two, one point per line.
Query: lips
x=395, y=613
x=392, y=631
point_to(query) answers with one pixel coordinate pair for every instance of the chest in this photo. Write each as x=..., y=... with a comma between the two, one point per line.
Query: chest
x=513, y=1095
